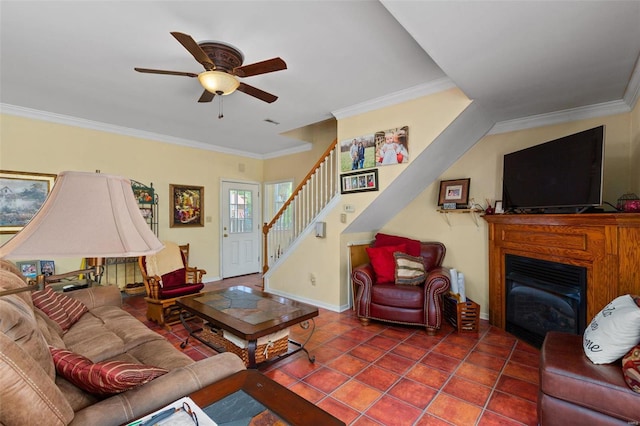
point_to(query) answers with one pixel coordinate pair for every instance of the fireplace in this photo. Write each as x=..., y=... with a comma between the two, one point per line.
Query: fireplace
x=543, y=296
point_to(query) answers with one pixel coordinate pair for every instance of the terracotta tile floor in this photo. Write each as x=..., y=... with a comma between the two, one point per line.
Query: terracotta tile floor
x=394, y=375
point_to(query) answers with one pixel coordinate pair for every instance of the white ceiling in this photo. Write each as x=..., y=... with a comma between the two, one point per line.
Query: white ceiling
x=73, y=61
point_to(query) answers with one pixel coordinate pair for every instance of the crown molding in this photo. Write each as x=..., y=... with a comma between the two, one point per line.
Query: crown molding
x=119, y=130
x=303, y=148
x=411, y=93
x=632, y=93
x=558, y=117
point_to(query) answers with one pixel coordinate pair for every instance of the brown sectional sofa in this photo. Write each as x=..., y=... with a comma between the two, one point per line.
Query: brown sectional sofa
x=32, y=393
x=575, y=391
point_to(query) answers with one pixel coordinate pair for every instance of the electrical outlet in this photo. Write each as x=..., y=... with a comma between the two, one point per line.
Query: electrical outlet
x=312, y=279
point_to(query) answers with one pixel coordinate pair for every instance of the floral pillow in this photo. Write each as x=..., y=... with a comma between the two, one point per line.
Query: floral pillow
x=631, y=368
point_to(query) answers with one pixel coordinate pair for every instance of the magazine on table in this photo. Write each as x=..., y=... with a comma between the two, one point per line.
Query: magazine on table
x=183, y=412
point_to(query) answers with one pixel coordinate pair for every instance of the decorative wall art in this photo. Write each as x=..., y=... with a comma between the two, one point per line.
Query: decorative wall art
x=377, y=149
x=21, y=195
x=28, y=269
x=187, y=206
x=454, y=191
x=359, y=181
x=47, y=267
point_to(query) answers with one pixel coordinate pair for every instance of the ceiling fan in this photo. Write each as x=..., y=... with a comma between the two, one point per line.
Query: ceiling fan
x=223, y=65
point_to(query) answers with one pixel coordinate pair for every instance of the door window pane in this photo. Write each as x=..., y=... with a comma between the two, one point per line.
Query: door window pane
x=240, y=211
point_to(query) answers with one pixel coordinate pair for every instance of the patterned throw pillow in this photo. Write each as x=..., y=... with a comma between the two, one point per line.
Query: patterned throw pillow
x=102, y=378
x=73, y=307
x=409, y=269
x=47, y=301
x=62, y=309
x=613, y=331
x=631, y=368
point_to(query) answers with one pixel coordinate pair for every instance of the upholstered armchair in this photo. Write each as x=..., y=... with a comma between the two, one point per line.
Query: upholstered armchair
x=394, y=298
x=167, y=276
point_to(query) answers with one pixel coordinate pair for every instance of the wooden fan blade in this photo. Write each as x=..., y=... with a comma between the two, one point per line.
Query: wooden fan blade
x=270, y=65
x=206, y=96
x=150, y=71
x=195, y=50
x=257, y=93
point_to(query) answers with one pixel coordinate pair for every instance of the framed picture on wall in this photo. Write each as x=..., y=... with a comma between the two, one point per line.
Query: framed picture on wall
x=454, y=191
x=187, y=206
x=359, y=181
x=47, y=267
x=21, y=195
x=28, y=269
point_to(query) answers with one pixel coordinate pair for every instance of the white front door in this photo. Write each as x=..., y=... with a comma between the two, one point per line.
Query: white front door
x=241, y=229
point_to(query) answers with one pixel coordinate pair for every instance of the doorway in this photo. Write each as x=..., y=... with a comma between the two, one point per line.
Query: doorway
x=241, y=229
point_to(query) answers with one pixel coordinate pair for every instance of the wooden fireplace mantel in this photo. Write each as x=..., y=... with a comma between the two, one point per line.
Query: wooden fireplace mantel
x=606, y=244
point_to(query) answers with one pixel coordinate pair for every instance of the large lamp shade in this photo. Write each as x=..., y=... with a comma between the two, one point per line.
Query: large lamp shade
x=85, y=215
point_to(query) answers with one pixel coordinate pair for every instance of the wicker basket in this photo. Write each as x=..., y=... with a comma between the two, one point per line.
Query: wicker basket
x=135, y=289
x=268, y=346
x=464, y=316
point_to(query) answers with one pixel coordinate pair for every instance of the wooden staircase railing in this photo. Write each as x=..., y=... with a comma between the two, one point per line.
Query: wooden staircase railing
x=308, y=199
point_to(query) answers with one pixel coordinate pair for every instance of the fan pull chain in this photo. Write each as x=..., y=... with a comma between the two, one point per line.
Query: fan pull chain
x=220, y=114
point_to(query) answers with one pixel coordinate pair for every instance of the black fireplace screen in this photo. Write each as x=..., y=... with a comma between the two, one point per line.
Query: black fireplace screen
x=543, y=296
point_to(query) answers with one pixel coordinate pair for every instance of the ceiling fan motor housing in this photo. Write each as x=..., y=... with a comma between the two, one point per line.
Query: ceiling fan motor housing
x=224, y=56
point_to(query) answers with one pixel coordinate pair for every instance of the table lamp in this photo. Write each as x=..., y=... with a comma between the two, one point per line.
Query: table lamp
x=89, y=215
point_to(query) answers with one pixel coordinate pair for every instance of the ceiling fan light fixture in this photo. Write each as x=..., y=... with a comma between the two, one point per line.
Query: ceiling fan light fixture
x=218, y=82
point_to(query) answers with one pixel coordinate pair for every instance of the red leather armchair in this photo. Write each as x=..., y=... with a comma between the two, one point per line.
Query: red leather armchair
x=404, y=304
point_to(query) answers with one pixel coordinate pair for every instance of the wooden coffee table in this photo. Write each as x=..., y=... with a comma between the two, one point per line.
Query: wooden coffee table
x=251, y=384
x=248, y=314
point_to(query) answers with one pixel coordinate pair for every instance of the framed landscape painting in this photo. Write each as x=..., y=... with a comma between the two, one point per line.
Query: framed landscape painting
x=21, y=195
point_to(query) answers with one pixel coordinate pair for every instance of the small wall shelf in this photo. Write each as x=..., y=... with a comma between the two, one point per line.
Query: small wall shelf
x=473, y=212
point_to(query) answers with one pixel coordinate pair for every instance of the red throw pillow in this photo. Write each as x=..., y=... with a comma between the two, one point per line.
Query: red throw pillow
x=73, y=307
x=47, y=301
x=413, y=246
x=62, y=309
x=383, y=262
x=174, y=279
x=102, y=378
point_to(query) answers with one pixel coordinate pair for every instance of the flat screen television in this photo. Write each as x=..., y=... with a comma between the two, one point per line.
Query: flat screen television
x=563, y=175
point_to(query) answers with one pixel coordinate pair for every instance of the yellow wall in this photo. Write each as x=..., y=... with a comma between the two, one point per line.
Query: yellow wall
x=326, y=258
x=296, y=166
x=38, y=146
x=467, y=242
x=44, y=147
x=635, y=150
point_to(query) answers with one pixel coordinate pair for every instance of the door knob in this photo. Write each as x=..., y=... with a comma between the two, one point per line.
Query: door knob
x=225, y=235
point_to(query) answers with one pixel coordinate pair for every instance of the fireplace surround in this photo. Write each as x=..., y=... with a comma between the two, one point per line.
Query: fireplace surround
x=604, y=244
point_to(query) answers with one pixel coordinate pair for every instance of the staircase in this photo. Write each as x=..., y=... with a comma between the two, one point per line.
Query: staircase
x=308, y=199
